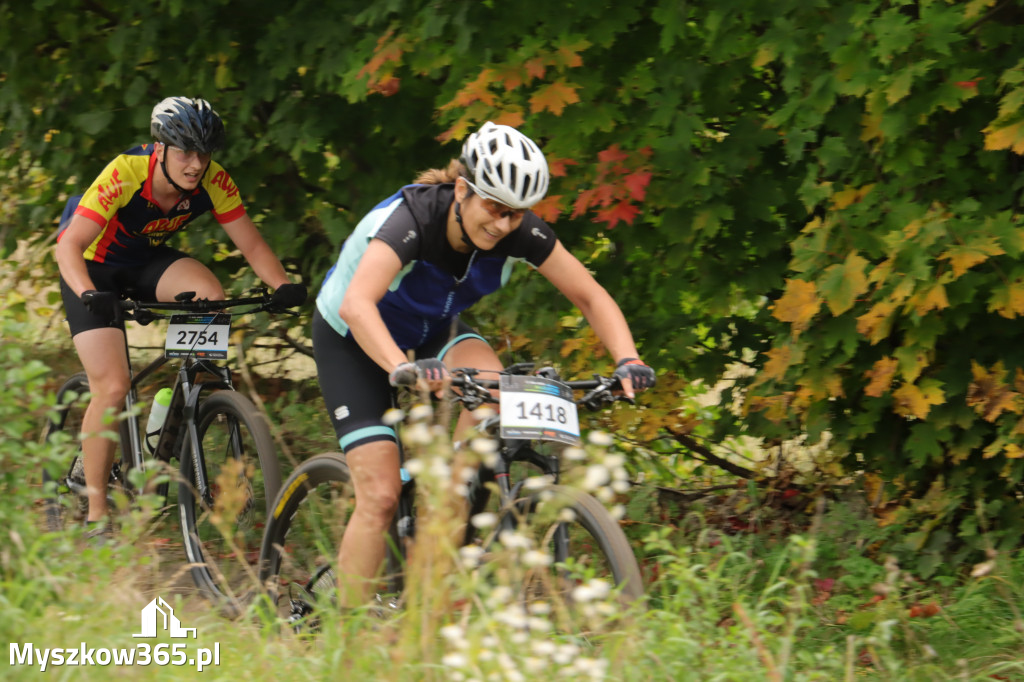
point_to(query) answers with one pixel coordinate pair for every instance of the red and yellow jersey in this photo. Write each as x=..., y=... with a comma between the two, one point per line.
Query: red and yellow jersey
x=120, y=200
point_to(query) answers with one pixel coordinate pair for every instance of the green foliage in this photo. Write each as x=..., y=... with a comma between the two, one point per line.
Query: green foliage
x=832, y=189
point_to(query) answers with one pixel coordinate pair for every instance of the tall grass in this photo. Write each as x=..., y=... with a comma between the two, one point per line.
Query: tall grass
x=813, y=603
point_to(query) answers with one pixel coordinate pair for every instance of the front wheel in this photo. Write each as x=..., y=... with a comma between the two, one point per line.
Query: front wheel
x=302, y=537
x=222, y=528
x=581, y=557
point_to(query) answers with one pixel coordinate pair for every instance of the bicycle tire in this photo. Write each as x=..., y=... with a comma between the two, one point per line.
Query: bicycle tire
x=60, y=504
x=594, y=547
x=302, y=537
x=222, y=539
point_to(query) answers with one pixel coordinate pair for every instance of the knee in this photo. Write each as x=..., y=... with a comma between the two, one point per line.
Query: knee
x=377, y=502
x=109, y=390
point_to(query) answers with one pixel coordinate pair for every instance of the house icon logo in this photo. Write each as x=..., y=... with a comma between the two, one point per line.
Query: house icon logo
x=158, y=615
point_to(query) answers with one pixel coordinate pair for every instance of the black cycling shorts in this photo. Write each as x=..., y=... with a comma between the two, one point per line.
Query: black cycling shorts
x=355, y=388
x=137, y=280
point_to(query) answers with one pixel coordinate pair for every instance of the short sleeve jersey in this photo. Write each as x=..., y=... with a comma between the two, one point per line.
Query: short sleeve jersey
x=121, y=201
x=436, y=282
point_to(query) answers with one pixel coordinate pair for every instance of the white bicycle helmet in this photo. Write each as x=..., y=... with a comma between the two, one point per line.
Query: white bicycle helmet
x=506, y=166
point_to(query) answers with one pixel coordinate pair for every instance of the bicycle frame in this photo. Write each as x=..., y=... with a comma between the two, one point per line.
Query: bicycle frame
x=184, y=403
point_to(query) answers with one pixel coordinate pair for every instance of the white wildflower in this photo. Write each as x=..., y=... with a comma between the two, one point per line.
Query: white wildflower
x=514, y=540
x=614, y=461
x=596, y=476
x=600, y=438
x=454, y=660
x=484, y=520
x=535, y=557
x=418, y=434
x=393, y=416
x=421, y=413
x=538, y=482
x=484, y=412
x=574, y=454
x=471, y=555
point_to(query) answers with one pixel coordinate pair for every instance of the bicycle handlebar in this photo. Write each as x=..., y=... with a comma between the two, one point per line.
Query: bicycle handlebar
x=476, y=392
x=143, y=312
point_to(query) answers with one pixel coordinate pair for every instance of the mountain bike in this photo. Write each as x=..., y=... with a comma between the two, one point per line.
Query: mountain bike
x=538, y=414
x=228, y=467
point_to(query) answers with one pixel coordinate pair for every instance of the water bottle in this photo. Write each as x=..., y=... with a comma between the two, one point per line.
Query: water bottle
x=157, y=416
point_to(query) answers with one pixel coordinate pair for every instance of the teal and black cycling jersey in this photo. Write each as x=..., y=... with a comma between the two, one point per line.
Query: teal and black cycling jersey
x=436, y=282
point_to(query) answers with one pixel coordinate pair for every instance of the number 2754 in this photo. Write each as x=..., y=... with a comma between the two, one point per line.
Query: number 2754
x=200, y=338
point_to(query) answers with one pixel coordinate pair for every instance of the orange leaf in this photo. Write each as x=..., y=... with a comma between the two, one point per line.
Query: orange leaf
x=637, y=183
x=535, y=68
x=509, y=75
x=1005, y=137
x=611, y=154
x=568, y=54
x=963, y=257
x=474, y=91
x=556, y=166
x=876, y=323
x=1008, y=300
x=554, y=98
x=513, y=119
x=914, y=401
x=619, y=212
x=798, y=304
x=989, y=394
x=549, y=208
x=881, y=376
x=933, y=298
x=777, y=363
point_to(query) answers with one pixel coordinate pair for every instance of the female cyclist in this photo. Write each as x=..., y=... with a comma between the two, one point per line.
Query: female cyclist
x=113, y=238
x=413, y=263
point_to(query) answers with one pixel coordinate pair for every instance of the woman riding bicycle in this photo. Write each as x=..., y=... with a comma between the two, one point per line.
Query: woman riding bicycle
x=416, y=261
x=112, y=238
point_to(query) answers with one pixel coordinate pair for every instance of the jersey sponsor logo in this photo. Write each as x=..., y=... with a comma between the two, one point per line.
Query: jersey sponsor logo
x=184, y=205
x=108, y=193
x=223, y=180
x=166, y=224
x=409, y=237
x=537, y=233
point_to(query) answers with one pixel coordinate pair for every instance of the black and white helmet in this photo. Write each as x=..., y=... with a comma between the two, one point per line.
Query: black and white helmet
x=189, y=124
x=506, y=166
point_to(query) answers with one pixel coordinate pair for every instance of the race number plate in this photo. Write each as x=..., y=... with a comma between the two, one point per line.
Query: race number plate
x=536, y=408
x=198, y=335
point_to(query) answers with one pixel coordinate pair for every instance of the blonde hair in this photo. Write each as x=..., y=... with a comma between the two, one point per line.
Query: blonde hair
x=440, y=176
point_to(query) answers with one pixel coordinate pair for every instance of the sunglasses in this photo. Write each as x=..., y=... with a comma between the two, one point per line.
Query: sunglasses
x=183, y=155
x=497, y=209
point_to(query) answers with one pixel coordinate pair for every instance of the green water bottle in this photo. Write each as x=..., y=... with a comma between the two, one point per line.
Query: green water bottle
x=157, y=416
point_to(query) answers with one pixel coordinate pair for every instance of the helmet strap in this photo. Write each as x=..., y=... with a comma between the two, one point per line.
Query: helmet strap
x=465, y=235
x=181, y=190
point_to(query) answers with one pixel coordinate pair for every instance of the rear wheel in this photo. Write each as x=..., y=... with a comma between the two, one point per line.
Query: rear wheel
x=64, y=482
x=62, y=505
x=223, y=528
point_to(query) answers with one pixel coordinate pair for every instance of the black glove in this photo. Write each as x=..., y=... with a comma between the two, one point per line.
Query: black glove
x=288, y=296
x=639, y=374
x=101, y=303
x=428, y=369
